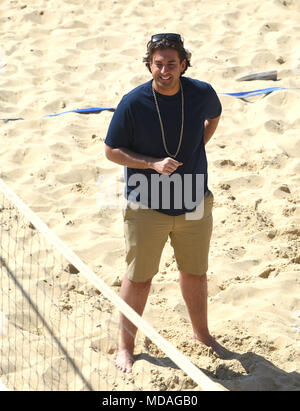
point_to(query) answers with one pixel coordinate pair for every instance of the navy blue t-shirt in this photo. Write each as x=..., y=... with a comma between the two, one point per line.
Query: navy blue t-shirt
x=135, y=125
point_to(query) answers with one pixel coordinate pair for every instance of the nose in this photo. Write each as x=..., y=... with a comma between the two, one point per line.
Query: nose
x=164, y=69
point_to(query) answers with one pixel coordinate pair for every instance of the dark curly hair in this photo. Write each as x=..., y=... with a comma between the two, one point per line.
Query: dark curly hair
x=164, y=44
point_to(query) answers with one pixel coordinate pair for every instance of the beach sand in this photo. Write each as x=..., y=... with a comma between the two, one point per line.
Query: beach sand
x=73, y=54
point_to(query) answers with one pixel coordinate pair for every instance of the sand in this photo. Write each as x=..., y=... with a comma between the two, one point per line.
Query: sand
x=72, y=54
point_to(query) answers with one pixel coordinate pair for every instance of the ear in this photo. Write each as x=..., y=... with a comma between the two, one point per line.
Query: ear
x=183, y=65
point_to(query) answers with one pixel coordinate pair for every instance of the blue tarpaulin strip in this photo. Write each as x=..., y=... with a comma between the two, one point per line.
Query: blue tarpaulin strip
x=11, y=119
x=83, y=111
x=247, y=94
x=90, y=110
x=95, y=110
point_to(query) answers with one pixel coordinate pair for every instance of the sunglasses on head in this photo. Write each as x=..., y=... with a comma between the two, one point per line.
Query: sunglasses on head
x=169, y=36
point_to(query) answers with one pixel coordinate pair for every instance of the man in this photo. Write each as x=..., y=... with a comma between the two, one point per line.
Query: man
x=158, y=132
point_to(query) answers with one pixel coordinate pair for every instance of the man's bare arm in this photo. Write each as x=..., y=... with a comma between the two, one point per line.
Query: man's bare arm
x=130, y=159
x=210, y=127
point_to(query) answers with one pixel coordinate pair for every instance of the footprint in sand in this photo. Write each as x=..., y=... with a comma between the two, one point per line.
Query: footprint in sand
x=276, y=126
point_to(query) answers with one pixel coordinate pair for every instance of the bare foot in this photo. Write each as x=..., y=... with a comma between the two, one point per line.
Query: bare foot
x=124, y=361
x=217, y=348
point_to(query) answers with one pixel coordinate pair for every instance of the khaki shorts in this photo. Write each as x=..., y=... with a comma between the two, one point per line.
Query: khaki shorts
x=146, y=232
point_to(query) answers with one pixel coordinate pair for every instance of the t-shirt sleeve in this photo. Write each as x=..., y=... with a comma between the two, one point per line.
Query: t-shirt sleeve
x=213, y=104
x=120, y=130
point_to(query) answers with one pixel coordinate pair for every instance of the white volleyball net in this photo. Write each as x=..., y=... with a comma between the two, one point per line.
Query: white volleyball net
x=59, y=322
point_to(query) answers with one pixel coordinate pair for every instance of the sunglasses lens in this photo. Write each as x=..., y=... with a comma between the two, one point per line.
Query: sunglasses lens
x=169, y=36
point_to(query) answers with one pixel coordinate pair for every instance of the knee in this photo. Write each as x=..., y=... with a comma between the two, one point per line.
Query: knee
x=193, y=277
x=139, y=285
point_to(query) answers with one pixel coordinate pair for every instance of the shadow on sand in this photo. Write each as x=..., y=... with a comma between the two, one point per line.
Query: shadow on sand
x=260, y=374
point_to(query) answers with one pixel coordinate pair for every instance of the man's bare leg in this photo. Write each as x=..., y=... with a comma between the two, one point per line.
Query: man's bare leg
x=134, y=294
x=194, y=292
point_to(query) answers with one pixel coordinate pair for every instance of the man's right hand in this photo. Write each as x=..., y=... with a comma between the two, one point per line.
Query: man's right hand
x=166, y=165
x=128, y=158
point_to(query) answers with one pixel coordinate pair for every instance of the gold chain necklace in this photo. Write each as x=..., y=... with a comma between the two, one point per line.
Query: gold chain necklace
x=161, y=124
